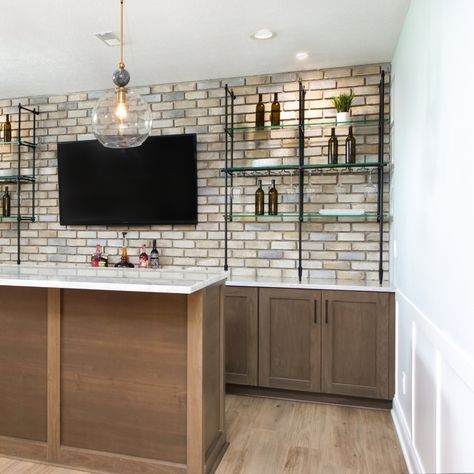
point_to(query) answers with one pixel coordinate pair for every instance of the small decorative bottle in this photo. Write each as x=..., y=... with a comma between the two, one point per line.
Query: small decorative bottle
x=154, y=258
x=7, y=130
x=103, y=259
x=143, y=258
x=260, y=112
x=259, y=200
x=124, y=262
x=95, y=257
x=332, y=148
x=350, y=147
x=273, y=200
x=6, y=202
x=275, y=113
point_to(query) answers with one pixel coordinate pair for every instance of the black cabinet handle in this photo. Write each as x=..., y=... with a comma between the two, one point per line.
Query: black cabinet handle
x=327, y=321
x=316, y=311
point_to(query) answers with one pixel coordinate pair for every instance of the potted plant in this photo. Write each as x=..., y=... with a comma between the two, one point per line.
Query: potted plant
x=343, y=104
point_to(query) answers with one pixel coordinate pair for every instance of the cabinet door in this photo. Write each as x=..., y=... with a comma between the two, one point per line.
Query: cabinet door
x=241, y=335
x=290, y=339
x=355, y=343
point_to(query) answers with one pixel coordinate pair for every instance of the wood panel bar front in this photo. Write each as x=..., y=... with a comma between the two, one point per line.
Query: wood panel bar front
x=133, y=382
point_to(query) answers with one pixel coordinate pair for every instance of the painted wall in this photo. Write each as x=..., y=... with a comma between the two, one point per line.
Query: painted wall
x=432, y=236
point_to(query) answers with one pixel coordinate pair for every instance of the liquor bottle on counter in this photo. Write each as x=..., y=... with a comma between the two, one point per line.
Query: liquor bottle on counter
x=124, y=262
x=259, y=200
x=6, y=201
x=143, y=258
x=350, y=147
x=260, y=112
x=275, y=113
x=332, y=148
x=273, y=200
x=103, y=259
x=7, y=130
x=95, y=257
x=154, y=258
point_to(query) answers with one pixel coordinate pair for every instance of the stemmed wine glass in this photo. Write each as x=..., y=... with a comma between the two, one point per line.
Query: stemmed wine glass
x=371, y=187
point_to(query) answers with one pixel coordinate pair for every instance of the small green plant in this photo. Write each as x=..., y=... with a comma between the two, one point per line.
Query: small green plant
x=343, y=102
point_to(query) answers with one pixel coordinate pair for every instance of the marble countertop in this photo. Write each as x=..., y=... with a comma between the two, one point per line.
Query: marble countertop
x=115, y=279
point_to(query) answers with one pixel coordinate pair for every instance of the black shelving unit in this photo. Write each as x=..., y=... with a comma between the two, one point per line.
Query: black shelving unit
x=20, y=179
x=230, y=171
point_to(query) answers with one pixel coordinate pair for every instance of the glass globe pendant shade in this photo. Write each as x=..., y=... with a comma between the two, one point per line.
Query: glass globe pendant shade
x=121, y=119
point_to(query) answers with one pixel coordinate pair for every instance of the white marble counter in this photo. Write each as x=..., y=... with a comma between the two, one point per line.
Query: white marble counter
x=309, y=284
x=115, y=279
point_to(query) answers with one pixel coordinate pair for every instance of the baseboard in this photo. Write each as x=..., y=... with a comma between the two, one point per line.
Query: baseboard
x=409, y=453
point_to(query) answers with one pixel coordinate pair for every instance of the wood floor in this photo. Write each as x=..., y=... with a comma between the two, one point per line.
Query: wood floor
x=272, y=436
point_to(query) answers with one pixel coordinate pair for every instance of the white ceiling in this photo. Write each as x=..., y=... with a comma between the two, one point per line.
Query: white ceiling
x=49, y=47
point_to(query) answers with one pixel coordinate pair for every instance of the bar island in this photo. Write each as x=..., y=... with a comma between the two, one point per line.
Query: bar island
x=115, y=370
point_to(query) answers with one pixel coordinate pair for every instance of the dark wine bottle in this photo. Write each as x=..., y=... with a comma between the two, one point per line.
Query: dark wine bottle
x=6, y=200
x=275, y=113
x=124, y=261
x=154, y=258
x=273, y=200
x=259, y=200
x=7, y=130
x=350, y=147
x=332, y=148
x=260, y=112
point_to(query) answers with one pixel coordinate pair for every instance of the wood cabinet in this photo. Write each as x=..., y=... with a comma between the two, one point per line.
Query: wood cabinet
x=356, y=343
x=241, y=335
x=335, y=342
x=289, y=339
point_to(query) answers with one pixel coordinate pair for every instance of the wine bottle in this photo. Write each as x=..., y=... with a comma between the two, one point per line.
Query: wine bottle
x=273, y=200
x=124, y=262
x=259, y=200
x=350, y=147
x=143, y=258
x=103, y=259
x=6, y=200
x=332, y=148
x=154, y=258
x=275, y=113
x=7, y=130
x=260, y=112
x=95, y=256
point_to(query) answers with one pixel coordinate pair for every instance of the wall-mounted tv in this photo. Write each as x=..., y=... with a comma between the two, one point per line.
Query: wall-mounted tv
x=155, y=183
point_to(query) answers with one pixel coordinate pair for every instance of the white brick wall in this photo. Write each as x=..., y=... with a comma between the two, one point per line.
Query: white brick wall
x=342, y=249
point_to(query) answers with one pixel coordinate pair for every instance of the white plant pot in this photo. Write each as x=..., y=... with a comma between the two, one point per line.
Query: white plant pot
x=343, y=117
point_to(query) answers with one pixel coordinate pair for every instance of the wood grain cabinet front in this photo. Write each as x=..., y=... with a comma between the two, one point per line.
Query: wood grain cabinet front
x=290, y=339
x=241, y=335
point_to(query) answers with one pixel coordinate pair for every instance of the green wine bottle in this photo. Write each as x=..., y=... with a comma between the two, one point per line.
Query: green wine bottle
x=260, y=112
x=350, y=147
x=273, y=200
x=275, y=113
x=332, y=148
x=6, y=200
x=7, y=130
x=259, y=200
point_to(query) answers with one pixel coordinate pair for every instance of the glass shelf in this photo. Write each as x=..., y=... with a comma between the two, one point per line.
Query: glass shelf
x=308, y=124
x=294, y=169
x=17, y=178
x=306, y=216
x=20, y=142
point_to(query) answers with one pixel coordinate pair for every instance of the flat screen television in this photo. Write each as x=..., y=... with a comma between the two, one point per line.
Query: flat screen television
x=155, y=183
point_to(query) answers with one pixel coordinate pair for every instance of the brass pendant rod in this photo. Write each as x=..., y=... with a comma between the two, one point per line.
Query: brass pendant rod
x=121, y=64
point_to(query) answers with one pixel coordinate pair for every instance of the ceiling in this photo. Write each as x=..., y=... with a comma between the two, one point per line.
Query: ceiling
x=49, y=46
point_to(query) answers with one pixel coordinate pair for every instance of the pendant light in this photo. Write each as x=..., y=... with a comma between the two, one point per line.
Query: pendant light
x=121, y=118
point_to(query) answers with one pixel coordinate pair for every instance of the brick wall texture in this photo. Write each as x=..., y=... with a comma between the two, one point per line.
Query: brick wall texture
x=332, y=248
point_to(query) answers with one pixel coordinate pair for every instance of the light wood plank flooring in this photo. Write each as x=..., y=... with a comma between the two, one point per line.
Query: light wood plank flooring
x=273, y=436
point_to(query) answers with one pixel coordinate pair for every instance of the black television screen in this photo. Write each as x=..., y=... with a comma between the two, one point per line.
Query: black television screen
x=155, y=183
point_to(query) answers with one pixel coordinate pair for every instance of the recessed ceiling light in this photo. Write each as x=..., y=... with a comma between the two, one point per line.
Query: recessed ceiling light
x=109, y=38
x=301, y=55
x=263, y=34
